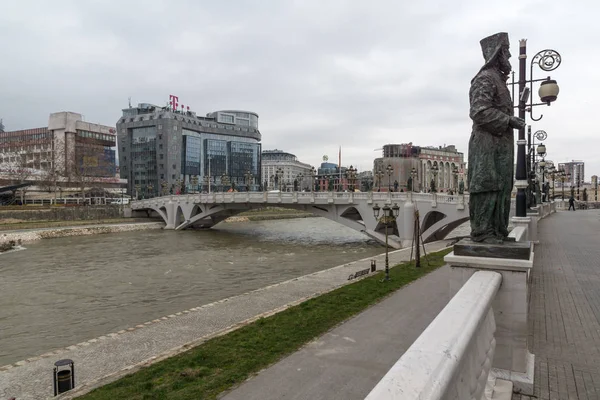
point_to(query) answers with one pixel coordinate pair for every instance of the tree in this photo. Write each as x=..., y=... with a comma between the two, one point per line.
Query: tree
x=19, y=169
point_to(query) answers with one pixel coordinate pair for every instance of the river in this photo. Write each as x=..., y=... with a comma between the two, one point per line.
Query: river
x=63, y=291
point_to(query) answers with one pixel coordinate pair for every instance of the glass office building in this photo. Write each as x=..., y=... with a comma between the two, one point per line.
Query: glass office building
x=165, y=151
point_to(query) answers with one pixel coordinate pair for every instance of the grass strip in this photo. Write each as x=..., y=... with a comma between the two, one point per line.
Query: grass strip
x=223, y=362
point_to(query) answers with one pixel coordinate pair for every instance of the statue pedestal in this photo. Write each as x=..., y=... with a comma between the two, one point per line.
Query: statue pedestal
x=512, y=359
x=509, y=250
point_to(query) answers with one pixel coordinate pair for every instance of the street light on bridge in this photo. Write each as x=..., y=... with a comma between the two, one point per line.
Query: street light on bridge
x=279, y=173
x=413, y=176
x=389, y=216
x=389, y=169
x=379, y=175
x=434, y=171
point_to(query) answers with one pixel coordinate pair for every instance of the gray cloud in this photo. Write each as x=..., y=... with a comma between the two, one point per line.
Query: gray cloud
x=319, y=74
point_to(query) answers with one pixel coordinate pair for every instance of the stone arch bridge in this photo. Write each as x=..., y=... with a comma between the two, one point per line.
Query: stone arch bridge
x=438, y=214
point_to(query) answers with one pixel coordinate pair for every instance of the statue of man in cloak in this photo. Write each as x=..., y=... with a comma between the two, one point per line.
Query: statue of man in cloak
x=491, y=146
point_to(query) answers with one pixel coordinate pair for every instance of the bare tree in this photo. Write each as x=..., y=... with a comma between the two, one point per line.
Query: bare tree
x=19, y=169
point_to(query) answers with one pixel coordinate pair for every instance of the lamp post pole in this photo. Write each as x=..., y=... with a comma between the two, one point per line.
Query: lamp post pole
x=547, y=60
x=389, y=170
x=389, y=215
x=312, y=178
x=379, y=175
x=413, y=175
x=434, y=170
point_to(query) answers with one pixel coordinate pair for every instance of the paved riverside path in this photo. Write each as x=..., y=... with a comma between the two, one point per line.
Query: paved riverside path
x=348, y=361
x=564, y=322
x=112, y=355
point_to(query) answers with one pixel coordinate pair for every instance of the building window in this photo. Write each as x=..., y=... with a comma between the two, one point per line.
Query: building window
x=161, y=156
x=161, y=166
x=123, y=149
x=174, y=166
x=160, y=126
x=160, y=146
x=162, y=176
x=160, y=136
x=175, y=128
x=173, y=176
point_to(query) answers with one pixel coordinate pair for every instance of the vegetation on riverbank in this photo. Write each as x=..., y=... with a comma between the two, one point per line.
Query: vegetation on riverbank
x=6, y=225
x=226, y=361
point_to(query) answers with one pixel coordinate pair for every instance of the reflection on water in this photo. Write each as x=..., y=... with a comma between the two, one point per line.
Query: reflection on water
x=63, y=291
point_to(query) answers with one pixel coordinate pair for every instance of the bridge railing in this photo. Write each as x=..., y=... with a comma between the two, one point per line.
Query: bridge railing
x=453, y=356
x=275, y=197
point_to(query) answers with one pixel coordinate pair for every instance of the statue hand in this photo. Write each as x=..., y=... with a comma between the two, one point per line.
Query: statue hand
x=516, y=123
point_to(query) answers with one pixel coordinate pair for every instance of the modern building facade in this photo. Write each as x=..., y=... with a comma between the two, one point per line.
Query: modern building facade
x=576, y=173
x=281, y=169
x=402, y=158
x=69, y=148
x=163, y=150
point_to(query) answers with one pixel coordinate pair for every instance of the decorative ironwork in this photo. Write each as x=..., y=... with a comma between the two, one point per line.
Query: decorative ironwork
x=547, y=60
x=540, y=135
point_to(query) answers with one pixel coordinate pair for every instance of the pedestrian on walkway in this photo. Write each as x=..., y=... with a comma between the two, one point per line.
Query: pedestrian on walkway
x=572, y=203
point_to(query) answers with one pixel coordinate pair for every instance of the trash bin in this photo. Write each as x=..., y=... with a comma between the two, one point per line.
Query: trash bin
x=64, y=379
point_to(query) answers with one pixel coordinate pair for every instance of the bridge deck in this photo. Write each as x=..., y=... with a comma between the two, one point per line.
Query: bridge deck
x=564, y=326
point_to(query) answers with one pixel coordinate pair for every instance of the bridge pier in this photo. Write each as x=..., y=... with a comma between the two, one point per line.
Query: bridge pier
x=408, y=222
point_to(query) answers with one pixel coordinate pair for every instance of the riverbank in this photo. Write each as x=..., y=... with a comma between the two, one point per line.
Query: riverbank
x=107, y=358
x=32, y=235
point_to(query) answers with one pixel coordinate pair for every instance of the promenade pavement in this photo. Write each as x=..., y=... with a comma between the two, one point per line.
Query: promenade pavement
x=564, y=323
x=564, y=328
x=101, y=360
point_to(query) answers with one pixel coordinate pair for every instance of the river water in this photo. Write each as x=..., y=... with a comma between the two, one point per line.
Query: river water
x=63, y=291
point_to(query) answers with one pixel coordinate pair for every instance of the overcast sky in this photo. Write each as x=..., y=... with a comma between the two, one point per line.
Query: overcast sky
x=320, y=74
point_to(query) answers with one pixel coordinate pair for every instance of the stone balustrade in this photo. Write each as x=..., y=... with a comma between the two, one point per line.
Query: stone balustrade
x=453, y=357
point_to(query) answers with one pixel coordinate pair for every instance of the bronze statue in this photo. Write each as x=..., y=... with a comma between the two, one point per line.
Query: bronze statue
x=491, y=146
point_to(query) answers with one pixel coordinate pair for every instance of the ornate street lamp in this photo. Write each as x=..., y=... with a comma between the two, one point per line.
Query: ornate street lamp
x=434, y=171
x=299, y=180
x=413, y=176
x=150, y=190
x=379, y=175
x=279, y=173
x=546, y=60
x=552, y=171
x=195, y=184
x=389, y=216
x=389, y=169
x=312, y=178
x=248, y=175
x=455, y=177
x=351, y=176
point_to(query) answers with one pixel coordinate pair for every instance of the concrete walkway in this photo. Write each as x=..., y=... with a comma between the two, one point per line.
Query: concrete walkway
x=564, y=328
x=101, y=360
x=347, y=362
x=564, y=325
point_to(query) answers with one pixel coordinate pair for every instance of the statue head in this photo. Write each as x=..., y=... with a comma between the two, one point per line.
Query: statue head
x=496, y=52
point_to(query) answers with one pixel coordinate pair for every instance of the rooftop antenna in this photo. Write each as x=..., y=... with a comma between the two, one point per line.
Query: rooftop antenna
x=130, y=102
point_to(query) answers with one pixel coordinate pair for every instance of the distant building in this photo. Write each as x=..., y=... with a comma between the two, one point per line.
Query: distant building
x=69, y=149
x=291, y=170
x=162, y=149
x=402, y=158
x=576, y=172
